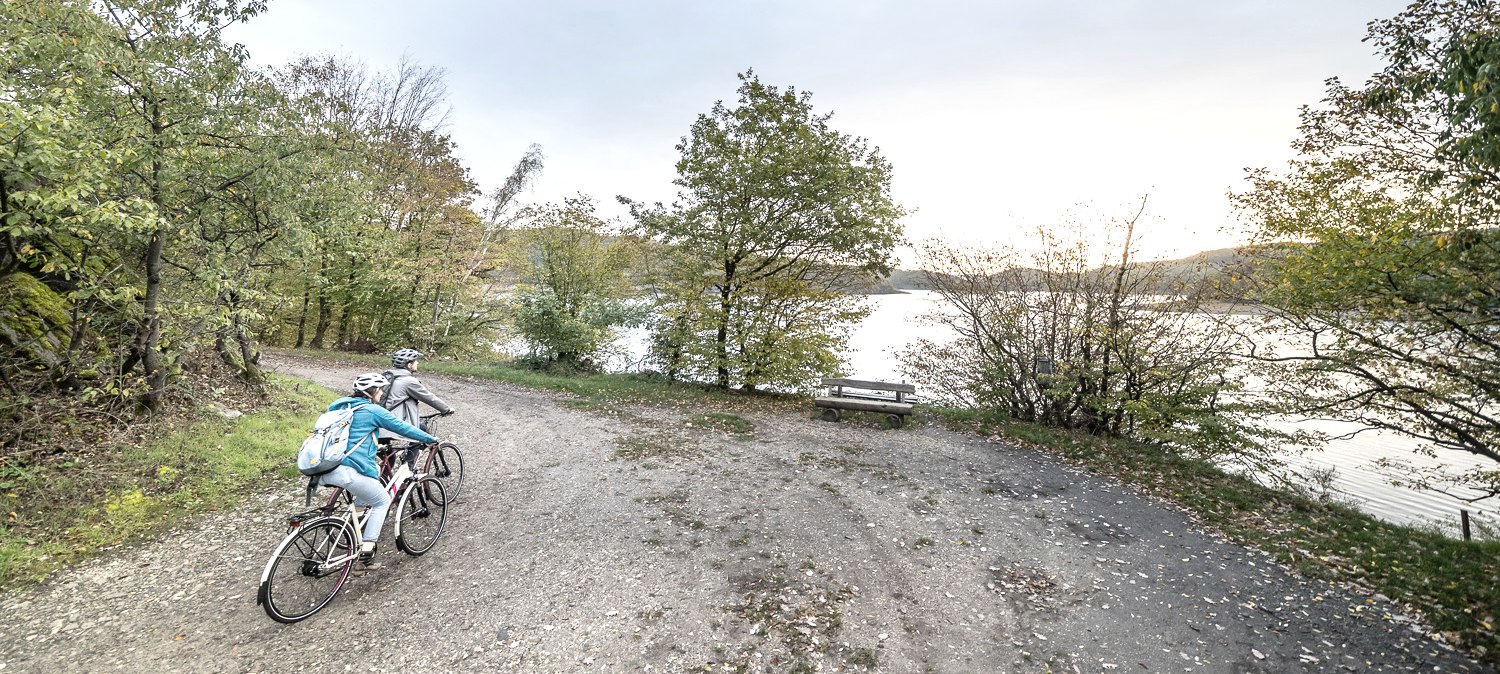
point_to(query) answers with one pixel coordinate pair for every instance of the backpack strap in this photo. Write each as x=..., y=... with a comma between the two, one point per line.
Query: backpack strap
x=355, y=445
x=392, y=378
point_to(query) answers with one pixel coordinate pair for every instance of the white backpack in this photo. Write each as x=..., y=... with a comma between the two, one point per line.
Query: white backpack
x=329, y=443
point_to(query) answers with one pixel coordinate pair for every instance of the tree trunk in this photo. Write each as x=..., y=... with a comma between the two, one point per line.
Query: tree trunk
x=249, y=372
x=721, y=336
x=1108, y=420
x=437, y=297
x=249, y=357
x=221, y=347
x=324, y=312
x=9, y=254
x=150, y=340
x=344, y=313
x=302, y=315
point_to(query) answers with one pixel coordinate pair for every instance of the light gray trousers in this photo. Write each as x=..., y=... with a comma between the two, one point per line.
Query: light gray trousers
x=367, y=491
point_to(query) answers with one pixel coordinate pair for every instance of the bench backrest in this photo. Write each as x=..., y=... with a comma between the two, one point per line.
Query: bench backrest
x=871, y=385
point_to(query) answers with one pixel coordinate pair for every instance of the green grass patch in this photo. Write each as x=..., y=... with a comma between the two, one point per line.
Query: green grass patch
x=1450, y=581
x=654, y=445
x=65, y=512
x=732, y=424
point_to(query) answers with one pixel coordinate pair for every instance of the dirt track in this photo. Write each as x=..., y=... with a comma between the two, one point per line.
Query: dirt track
x=806, y=546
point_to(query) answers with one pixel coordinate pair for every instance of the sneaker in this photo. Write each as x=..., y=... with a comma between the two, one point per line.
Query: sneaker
x=362, y=567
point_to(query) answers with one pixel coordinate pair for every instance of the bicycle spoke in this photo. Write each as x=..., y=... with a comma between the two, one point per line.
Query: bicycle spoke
x=420, y=516
x=446, y=463
x=307, y=570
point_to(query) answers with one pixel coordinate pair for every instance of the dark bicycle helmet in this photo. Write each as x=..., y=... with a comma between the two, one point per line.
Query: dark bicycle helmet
x=404, y=357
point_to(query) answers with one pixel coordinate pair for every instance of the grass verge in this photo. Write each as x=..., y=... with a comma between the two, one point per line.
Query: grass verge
x=655, y=445
x=63, y=513
x=1449, y=581
x=596, y=391
x=732, y=424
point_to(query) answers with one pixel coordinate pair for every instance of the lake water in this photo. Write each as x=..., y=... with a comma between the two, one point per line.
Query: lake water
x=895, y=322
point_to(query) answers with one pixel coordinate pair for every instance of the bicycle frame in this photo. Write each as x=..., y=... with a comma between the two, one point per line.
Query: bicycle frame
x=353, y=520
x=387, y=477
x=325, y=542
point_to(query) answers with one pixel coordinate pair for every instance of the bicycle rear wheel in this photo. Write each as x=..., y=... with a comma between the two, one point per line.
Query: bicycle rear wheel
x=446, y=463
x=307, y=569
x=420, y=515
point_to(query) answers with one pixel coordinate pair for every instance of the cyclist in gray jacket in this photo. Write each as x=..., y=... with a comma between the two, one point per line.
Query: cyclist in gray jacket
x=407, y=392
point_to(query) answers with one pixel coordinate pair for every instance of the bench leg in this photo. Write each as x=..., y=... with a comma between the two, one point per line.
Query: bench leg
x=830, y=414
x=894, y=420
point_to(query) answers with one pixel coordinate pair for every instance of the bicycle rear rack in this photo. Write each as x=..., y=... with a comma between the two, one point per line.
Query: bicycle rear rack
x=297, y=520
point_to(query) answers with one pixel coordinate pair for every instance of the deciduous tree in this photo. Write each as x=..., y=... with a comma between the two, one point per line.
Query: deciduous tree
x=778, y=213
x=1384, y=246
x=1081, y=335
x=573, y=286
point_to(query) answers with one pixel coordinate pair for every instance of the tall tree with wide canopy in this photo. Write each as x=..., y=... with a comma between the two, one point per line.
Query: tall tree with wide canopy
x=778, y=213
x=1382, y=264
x=65, y=215
x=183, y=131
x=391, y=251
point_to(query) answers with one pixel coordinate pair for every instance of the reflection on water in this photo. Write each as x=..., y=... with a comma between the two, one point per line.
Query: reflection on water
x=873, y=353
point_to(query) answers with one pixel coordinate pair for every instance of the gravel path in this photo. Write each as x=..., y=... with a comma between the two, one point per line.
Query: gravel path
x=804, y=546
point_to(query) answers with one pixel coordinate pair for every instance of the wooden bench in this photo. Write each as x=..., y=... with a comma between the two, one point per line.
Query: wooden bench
x=869, y=398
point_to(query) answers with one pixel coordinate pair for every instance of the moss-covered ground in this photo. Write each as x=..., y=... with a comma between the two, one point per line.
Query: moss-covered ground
x=63, y=511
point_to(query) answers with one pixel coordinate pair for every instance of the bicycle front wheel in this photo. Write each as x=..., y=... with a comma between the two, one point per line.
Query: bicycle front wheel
x=446, y=463
x=307, y=569
x=420, y=515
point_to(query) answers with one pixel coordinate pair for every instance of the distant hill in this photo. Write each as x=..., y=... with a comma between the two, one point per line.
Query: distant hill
x=1191, y=270
x=908, y=279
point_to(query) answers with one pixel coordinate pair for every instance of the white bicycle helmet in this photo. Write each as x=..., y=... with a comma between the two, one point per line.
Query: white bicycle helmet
x=368, y=381
x=405, y=356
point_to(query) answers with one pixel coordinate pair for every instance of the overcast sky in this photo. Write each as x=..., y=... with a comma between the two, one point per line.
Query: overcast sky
x=996, y=116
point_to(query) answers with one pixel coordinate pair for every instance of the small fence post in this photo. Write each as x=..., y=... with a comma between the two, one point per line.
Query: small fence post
x=1464, y=516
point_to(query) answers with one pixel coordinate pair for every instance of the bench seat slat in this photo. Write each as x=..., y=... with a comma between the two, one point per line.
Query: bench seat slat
x=871, y=385
x=863, y=405
x=861, y=395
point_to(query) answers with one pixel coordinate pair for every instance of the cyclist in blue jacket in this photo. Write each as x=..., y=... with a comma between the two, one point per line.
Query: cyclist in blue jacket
x=359, y=474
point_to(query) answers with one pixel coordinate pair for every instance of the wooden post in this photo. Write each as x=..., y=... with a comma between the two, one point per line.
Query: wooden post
x=1464, y=516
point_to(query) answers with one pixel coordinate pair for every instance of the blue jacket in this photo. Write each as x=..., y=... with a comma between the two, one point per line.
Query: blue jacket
x=367, y=418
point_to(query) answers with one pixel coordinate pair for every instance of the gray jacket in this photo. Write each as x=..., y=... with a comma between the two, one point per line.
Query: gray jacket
x=406, y=392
